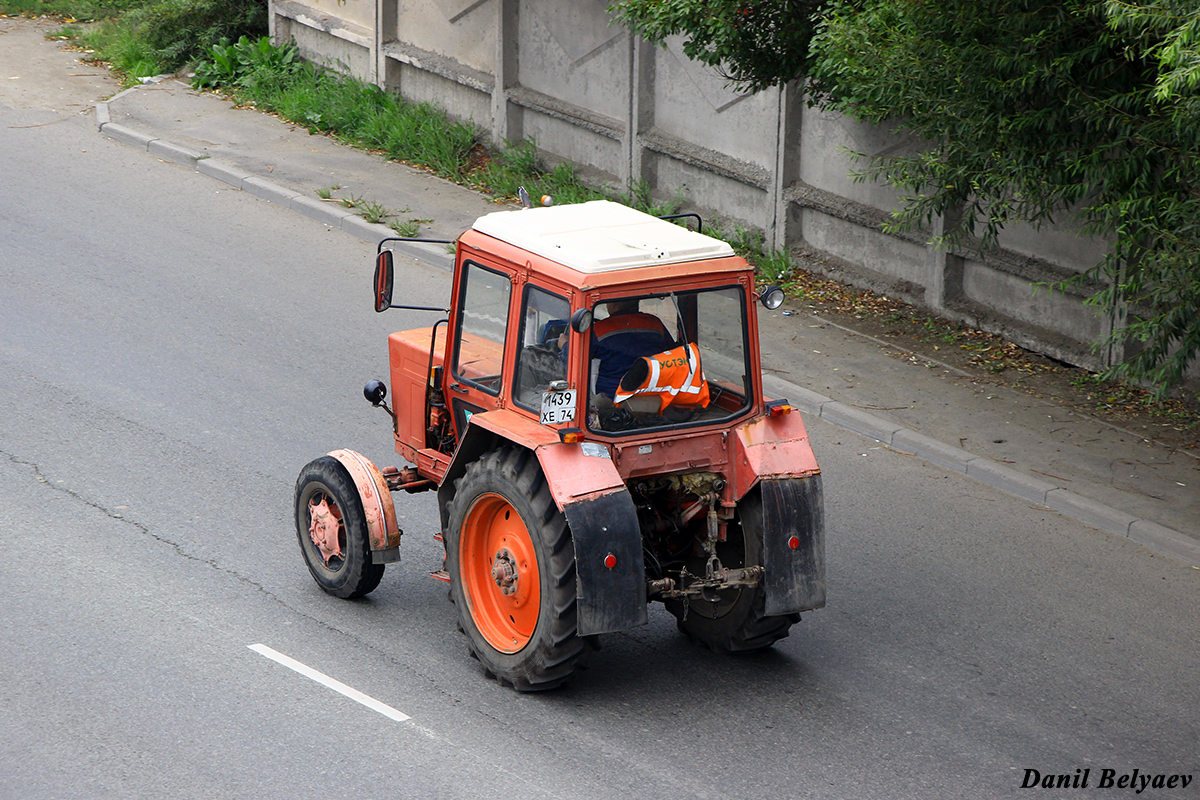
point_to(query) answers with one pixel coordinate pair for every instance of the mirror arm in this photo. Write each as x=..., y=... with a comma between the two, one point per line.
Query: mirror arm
x=382, y=242
x=422, y=308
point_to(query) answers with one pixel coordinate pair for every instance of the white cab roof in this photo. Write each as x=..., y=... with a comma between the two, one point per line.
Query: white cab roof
x=600, y=236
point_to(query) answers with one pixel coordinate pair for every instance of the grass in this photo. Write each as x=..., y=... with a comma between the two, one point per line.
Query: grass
x=83, y=10
x=141, y=38
x=361, y=114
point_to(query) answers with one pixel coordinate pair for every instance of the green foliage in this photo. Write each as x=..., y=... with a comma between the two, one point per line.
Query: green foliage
x=756, y=43
x=275, y=79
x=158, y=36
x=1168, y=31
x=181, y=31
x=774, y=267
x=246, y=64
x=81, y=10
x=518, y=164
x=407, y=229
x=129, y=55
x=1034, y=110
x=1055, y=109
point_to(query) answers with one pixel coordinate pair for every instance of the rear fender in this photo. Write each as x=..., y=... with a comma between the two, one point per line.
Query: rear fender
x=791, y=514
x=587, y=488
x=383, y=532
x=777, y=481
x=771, y=447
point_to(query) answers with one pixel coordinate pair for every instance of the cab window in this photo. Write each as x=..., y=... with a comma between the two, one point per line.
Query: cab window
x=668, y=360
x=482, y=327
x=542, y=359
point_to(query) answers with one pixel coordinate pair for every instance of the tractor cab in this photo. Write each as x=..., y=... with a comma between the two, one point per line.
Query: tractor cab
x=600, y=318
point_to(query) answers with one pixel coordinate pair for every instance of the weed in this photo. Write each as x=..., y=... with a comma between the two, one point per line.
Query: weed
x=638, y=196
x=326, y=193
x=775, y=267
x=406, y=229
x=248, y=64
x=373, y=212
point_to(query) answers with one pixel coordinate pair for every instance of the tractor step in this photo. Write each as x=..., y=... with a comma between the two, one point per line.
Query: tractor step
x=440, y=575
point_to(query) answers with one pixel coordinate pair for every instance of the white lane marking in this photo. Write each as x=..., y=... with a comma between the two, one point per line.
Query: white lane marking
x=325, y=680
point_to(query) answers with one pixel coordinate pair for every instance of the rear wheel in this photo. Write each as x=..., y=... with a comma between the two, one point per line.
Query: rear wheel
x=735, y=620
x=512, y=572
x=332, y=530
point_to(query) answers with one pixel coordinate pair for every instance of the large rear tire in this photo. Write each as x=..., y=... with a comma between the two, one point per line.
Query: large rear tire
x=512, y=572
x=326, y=491
x=736, y=621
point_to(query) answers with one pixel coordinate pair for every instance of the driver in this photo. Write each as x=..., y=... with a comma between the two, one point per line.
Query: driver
x=623, y=337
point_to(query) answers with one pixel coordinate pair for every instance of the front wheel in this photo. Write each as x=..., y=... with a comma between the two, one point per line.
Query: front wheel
x=736, y=620
x=332, y=529
x=512, y=572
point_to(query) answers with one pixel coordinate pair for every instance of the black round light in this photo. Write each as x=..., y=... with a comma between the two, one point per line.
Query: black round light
x=375, y=391
x=771, y=297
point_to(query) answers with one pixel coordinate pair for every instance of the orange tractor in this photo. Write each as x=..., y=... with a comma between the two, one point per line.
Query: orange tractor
x=592, y=418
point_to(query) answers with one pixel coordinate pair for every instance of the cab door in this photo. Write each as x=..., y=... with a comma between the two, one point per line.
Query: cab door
x=478, y=359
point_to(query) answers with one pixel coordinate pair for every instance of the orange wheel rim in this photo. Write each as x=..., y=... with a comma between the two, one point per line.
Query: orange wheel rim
x=499, y=570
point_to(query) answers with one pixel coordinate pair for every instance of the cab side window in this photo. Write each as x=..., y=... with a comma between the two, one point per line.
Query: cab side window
x=544, y=318
x=482, y=328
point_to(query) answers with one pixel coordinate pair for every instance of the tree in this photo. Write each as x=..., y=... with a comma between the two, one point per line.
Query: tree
x=754, y=43
x=1032, y=107
x=1169, y=31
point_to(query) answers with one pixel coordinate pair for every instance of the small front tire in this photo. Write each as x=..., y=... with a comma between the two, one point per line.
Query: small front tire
x=325, y=490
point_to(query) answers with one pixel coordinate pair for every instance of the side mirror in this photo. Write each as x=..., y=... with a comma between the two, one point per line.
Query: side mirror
x=771, y=297
x=581, y=320
x=384, y=273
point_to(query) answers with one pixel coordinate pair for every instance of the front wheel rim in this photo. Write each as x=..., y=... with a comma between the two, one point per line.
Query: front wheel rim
x=500, y=577
x=331, y=555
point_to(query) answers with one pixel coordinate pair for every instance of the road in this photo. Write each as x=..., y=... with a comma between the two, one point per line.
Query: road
x=172, y=353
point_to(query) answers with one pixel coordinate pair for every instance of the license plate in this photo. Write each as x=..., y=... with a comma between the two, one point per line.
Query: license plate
x=558, y=407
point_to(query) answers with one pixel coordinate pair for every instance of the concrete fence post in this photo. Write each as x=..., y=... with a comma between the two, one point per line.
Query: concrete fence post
x=787, y=163
x=385, y=20
x=506, y=124
x=641, y=108
x=944, y=285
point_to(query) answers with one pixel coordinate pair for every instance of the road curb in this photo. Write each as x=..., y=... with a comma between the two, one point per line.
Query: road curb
x=1013, y=482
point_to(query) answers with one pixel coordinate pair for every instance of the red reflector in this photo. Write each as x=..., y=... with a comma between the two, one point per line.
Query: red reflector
x=794, y=543
x=777, y=410
x=610, y=561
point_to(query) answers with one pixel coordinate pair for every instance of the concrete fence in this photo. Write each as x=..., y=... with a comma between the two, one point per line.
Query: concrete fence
x=626, y=113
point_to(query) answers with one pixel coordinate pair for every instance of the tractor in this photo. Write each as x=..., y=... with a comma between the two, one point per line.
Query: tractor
x=590, y=412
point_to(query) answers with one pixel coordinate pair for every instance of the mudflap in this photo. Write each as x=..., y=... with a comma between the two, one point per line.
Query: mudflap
x=608, y=563
x=793, y=522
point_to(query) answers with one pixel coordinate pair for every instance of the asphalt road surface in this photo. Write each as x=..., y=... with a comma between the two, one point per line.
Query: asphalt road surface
x=173, y=351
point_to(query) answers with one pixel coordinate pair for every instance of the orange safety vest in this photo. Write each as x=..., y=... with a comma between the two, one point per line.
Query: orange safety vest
x=673, y=376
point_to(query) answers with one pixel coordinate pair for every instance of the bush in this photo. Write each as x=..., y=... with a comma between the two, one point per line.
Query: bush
x=182, y=31
x=246, y=64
